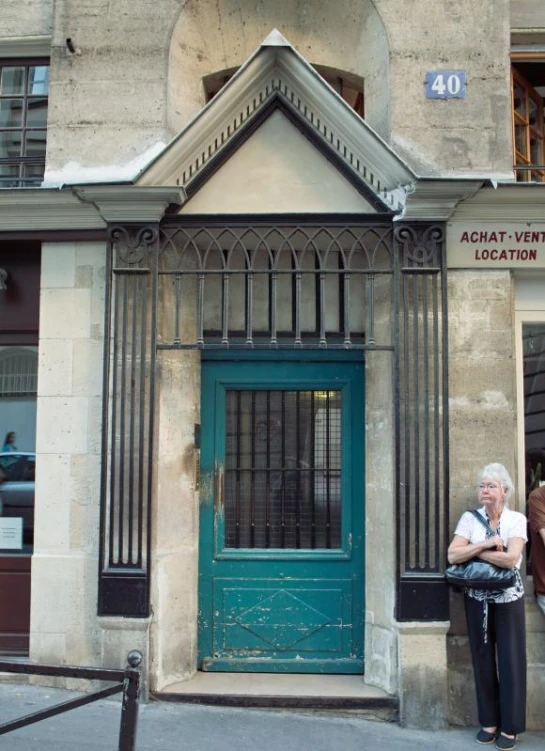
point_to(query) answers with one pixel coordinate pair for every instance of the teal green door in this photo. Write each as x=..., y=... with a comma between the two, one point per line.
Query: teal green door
x=281, y=583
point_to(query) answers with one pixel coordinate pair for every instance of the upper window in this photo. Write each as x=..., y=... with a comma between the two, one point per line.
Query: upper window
x=24, y=88
x=347, y=85
x=528, y=88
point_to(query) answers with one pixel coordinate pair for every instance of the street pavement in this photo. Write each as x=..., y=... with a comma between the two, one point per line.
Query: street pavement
x=165, y=726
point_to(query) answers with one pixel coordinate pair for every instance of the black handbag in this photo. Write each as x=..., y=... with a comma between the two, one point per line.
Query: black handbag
x=479, y=574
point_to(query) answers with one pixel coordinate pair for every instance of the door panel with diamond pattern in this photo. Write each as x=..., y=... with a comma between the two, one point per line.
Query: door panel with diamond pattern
x=281, y=524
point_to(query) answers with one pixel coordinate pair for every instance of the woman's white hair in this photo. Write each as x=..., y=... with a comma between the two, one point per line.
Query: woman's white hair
x=498, y=473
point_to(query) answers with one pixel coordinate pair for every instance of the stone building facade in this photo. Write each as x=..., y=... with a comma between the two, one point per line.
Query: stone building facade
x=291, y=257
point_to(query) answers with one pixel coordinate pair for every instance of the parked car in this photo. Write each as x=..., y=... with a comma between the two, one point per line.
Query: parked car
x=17, y=475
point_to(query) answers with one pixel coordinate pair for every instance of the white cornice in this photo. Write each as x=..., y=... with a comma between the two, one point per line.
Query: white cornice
x=436, y=200
x=130, y=203
x=277, y=72
x=81, y=208
x=36, y=46
x=41, y=209
x=514, y=202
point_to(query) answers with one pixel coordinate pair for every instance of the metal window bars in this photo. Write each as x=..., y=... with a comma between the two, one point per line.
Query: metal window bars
x=18, y=371
x=283, y=469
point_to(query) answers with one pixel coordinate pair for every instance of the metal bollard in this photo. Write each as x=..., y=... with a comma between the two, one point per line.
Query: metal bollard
x=129, y=708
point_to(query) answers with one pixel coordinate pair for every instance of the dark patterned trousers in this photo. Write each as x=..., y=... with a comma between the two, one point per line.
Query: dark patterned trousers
x=499, y=662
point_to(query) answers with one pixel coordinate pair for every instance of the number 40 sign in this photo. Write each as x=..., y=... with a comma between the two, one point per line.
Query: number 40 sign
x=445, y=84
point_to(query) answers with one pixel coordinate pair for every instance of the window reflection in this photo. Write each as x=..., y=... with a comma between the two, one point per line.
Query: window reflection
x=38, y=79
x=18, y=388
x=23, y=120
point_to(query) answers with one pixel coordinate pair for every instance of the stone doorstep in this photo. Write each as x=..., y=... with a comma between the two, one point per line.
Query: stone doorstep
x=267, y=690
x=13, y=678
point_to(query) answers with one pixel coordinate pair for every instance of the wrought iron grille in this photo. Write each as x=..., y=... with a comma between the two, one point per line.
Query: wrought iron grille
x=127, y=422
x=422, y=422
x=244, y=284
x=272, y=285
x=283, y=469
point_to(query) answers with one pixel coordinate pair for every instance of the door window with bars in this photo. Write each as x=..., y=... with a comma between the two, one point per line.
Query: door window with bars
x=283, y=469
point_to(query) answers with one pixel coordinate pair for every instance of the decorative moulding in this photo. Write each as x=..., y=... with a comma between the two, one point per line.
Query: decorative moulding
x=42, y=209
x=33, y=46
x=509, y=202
x=436, y=199
x=82, y=208
x=277, y=72
x=134, y=204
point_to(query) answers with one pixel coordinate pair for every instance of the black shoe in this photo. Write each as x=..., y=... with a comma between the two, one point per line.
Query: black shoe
x=485, y=736
x=504, y=743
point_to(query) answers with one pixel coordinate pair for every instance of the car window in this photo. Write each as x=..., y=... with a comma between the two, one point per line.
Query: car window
x=18, y=468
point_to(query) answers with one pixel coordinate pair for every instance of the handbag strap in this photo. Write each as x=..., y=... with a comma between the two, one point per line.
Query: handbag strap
x=485, y=524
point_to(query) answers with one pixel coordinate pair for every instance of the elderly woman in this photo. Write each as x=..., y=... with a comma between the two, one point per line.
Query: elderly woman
x=495, y=618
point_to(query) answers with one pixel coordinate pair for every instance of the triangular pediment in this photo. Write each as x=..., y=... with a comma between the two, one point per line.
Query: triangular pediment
x=276, y=77
x=276, y=169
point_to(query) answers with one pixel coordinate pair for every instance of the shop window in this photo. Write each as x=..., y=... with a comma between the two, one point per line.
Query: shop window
x=347, y=85
x=18, y=389
x=24, y=89
x=528, y=90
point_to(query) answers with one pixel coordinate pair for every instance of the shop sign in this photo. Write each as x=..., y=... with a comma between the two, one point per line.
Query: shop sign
x=496, y=245
x=11, y=533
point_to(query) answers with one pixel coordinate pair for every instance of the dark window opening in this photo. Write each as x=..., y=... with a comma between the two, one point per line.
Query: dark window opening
x=528, y=91
x=348, y=85
x=533, y=348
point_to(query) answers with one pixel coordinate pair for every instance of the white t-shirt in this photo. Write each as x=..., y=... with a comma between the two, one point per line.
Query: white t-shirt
x=512, y=524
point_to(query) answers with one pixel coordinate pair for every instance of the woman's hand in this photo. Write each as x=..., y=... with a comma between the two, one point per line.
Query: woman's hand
x=461, y=550
x=508, y=556
x=495, y=543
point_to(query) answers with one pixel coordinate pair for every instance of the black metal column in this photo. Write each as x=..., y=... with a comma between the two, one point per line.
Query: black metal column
x=128, y=416
x=422, y=422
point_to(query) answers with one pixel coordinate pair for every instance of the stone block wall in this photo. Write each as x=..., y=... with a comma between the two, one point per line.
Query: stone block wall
x=103, y=125
x=483, y=426
x=68, y=445
x=527, y=15
x=175, y=541
x=26, y=18
x=482, y=395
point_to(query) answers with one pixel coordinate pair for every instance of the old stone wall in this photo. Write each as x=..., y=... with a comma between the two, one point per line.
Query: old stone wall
x=482, y=429
x=527, y=14
x=466, y=136
x=175, y=520
x=68, y=446
x=26, y=18
x=482, y=396
x=136, y=76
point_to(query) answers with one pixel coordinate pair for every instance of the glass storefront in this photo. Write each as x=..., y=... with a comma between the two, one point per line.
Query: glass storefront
x=18, y=389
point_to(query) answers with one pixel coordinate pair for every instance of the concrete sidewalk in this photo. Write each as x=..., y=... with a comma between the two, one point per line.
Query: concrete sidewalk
x=183, y=727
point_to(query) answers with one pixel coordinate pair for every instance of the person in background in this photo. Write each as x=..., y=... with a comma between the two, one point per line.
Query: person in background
x=9, y=443
x=536, y=521
x=495, y=619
